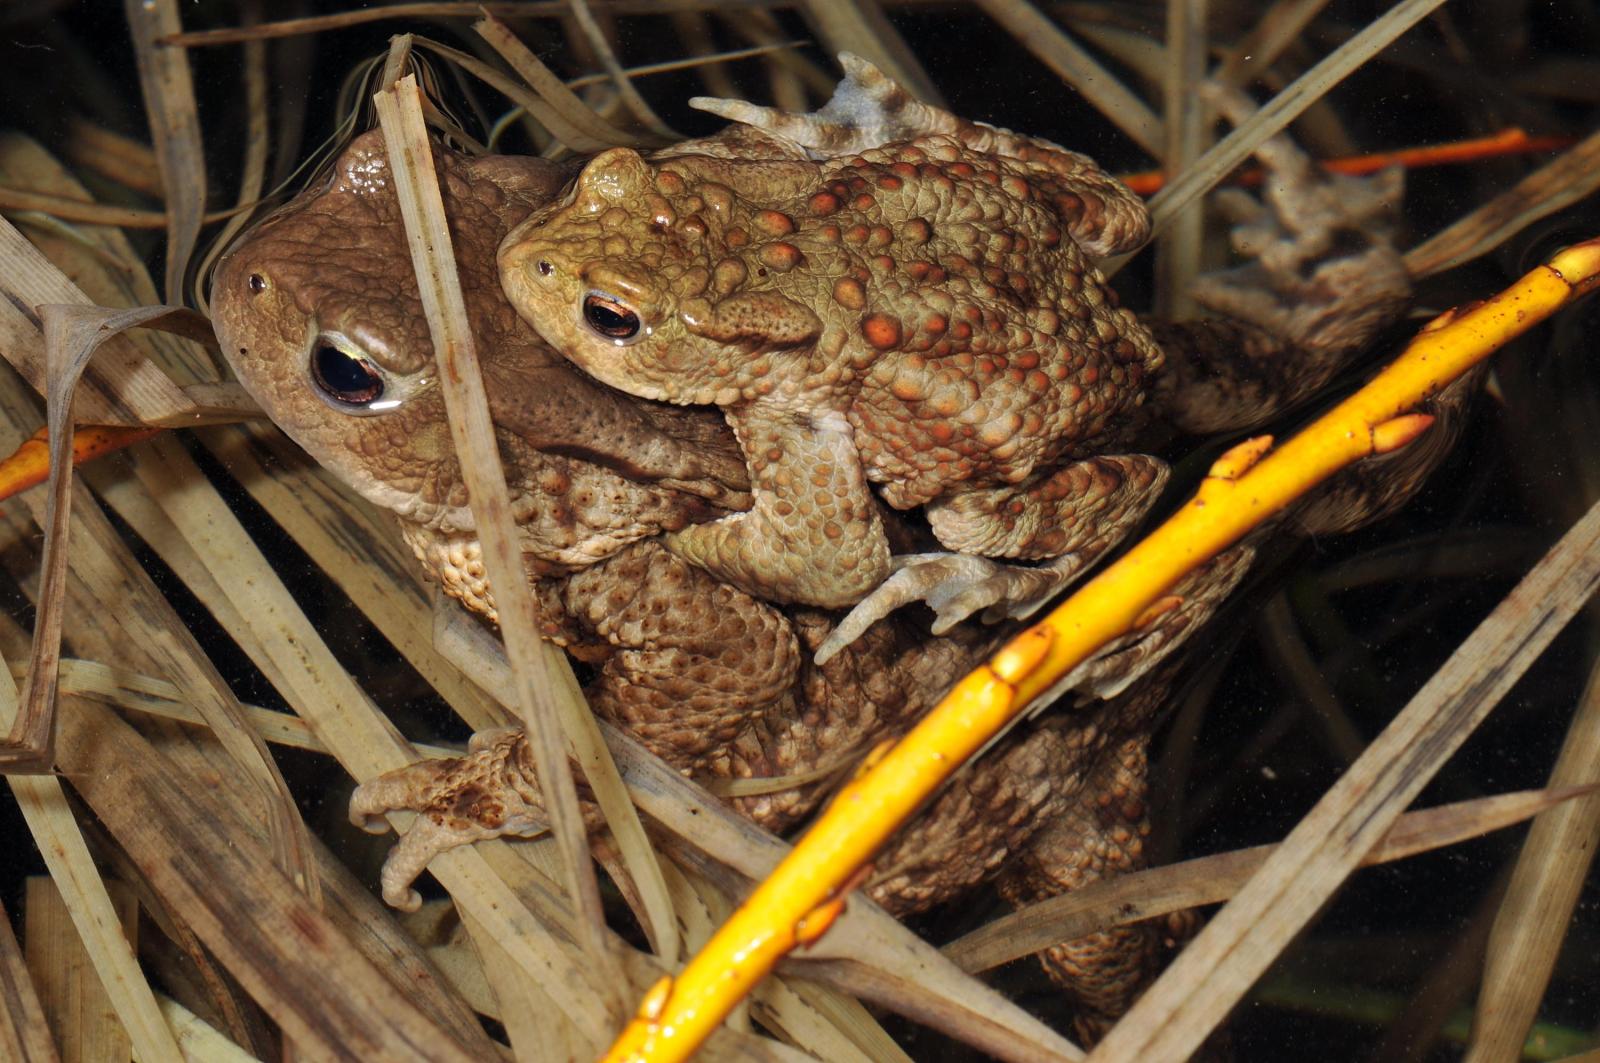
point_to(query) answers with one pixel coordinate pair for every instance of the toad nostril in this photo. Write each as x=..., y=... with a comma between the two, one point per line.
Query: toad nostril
x=258, y=283
x=545, y=268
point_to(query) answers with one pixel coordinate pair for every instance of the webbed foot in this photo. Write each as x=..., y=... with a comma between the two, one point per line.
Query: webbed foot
x=954, y=586
x=488, y=793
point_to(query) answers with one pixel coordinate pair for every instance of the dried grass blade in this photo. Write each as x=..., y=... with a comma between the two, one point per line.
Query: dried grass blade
x=619, y=79
x=860, y=26
x=254, y=164
x=1078, y=68
x=76, y=1007
x=1284, y=108
x=545, y=714
x=1185, y=117
x=1217, y=968
x=1273, y=33
x=1534, y=915
x=554, y=104
x=199, y=1041
x=1574, y=175
x=72, y=335
x=122, y=388
x=331, y=526
x=207, y=864
x=175, y=128
x=536, y=1028
x=124, y=689
x=1209, y=879
x=707, y=60
x=56, y=834
x=24, y=1036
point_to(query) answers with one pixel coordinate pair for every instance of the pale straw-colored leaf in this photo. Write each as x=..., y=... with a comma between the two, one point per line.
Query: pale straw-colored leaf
x=1570, y=177
x=144, y=694
x=537, y=666
x=551, y=102
x=83, y=895
x=1537, y=909
x=1219, y=966
x=174, y=127
x=72, y=335
x=23, y=1033
x=1209, y=879
x=601, y=46
x=198, y=1040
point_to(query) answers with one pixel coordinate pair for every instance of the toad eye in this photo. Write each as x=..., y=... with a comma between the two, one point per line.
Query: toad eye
x=609, y=317
x=346, y=380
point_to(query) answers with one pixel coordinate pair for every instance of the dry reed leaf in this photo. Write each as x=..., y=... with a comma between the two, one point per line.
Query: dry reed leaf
x=327, y=996
x=536, y=1028
x=550, y=102
x=1210, y=976
x=1273, y=33
x=872, y=953
x=121, y=388
x=198, y=1040
x=835, y=1025
x=1538, y=904
x=23, y=1033
x=174, y=127
x=332, y=525
x=127, y=689
x=1570, y=177
x=80, y=1014
x=596, y=38
x=72, y=335
x=56, y=834
x=1186, y=124
x=1051, y=45
x=1209, y=879
x=540, y=669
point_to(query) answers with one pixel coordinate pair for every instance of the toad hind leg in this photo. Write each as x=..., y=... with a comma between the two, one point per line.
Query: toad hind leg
x=1069, y=515
x=813, y=535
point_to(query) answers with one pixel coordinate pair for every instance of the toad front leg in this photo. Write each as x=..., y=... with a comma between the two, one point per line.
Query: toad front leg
x=813, y=535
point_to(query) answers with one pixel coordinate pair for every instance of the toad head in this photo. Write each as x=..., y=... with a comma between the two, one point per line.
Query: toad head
x=634, y=278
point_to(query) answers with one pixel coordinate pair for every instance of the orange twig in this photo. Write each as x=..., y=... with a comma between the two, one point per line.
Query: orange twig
x=1511, y=141
x=802, y=896
x=30, y=464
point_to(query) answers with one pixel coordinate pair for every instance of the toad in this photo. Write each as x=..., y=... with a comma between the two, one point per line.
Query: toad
x=908, y=301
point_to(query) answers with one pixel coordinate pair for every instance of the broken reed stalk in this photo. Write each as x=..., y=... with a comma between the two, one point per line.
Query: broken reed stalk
x=427, y=233
x=798, y=902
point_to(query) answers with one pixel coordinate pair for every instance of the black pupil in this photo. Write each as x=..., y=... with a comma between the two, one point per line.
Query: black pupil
x=346, y=379
x=610, y=319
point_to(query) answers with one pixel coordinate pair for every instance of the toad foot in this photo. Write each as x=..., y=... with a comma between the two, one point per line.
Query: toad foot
x=954, y=586
x=488, y=793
